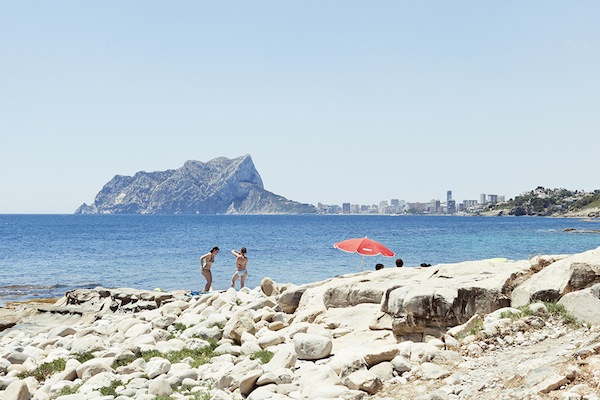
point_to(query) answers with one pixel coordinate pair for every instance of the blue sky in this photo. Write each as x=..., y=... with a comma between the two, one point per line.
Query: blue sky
x=335, y=101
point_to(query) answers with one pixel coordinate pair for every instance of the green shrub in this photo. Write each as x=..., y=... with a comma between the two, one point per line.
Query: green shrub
x=125, y=361
x=199, y=356
x=559, y=311
x=111, y=390
x=219, y=325
x=524, y=311
x=83, y=356
x=67, y=390
x=554, y=309
x=42, y=372
x=179, y=327
x=263, y=355
x=478, y=327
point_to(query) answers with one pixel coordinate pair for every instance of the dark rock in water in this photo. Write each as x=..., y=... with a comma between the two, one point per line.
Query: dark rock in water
x=219, y=186
x=573, y=230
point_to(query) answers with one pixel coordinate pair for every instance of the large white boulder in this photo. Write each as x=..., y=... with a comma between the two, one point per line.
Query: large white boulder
x=239, y=323
x=312, y=347
x=17, y=390
x=157, y=366
x=584, y=304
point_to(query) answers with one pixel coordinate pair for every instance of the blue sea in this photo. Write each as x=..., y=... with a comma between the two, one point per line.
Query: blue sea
x=43, y=256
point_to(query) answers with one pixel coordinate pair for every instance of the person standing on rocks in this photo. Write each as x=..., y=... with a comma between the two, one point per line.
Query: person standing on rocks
x=206, y=262
x=240, y=267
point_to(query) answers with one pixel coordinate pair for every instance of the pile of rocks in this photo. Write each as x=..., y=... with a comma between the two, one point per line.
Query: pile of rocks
x=444, y=332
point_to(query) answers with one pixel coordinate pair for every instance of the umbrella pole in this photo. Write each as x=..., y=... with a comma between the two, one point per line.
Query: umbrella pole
x=362, y=261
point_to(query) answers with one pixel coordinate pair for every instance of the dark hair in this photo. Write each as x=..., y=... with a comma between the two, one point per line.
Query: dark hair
x=214, y=248
x=399, y=262
x=378, y=266
x=243, y=250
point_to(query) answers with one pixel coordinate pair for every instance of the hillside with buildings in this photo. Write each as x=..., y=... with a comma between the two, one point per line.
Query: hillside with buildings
x=550, y=202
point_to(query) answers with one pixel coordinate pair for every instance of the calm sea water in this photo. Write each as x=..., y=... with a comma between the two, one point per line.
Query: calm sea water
x=46, y=255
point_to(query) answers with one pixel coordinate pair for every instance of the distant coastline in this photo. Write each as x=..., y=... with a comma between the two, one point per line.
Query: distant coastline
x=538, y=202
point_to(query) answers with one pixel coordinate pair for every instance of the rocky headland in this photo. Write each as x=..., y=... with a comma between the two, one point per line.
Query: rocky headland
x=488, y=329
x=219, y=186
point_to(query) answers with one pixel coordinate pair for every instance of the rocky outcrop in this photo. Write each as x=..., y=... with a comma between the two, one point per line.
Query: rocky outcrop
x=444, y=332
x=566, y=275
x=219, y=186
x=410, y=302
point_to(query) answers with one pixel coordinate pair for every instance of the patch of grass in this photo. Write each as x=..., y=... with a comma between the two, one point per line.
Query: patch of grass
x=212, y=342
x=67, y=390
x=524, y=311
x=179, y=327
x=147, y=355
x=45, y=370
x=478, y=327
x=559, y=311
x=111, y=390
x=83, y=356
x=199, y=356
x=219, y=325
x=124, y=361
x=263, y=355
x=202, y=396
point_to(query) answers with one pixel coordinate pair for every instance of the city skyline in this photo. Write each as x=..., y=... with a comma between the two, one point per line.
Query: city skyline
x=397, y=206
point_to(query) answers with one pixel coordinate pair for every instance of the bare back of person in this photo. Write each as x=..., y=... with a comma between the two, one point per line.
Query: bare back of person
x=241, y=261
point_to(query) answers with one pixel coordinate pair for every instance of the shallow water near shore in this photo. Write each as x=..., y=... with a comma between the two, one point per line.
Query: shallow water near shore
x=43, y=256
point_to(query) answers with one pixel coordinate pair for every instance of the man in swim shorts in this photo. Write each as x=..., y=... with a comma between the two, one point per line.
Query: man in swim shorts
x=240, y=267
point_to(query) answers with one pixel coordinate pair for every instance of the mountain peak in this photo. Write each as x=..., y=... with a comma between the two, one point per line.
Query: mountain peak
x=219, y=186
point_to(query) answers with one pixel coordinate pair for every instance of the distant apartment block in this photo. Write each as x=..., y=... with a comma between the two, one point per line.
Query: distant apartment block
x=346, y=208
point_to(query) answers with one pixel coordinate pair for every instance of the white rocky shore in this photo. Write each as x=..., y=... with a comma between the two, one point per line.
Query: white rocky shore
x=444, y=332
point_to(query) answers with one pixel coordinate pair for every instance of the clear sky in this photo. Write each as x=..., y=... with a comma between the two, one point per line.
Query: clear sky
x=336, y=101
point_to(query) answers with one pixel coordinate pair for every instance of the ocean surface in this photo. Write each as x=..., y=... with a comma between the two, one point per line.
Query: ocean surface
x=43, y=256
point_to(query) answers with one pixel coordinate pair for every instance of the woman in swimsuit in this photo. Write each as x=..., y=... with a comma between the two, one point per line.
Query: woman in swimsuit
x=205, y=264
x=240, y=267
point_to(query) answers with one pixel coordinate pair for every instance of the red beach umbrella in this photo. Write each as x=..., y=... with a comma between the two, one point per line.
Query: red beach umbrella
x=365, y=247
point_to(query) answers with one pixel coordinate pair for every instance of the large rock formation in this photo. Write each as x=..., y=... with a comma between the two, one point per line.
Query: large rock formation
x=343, y=338
x=219, y=186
